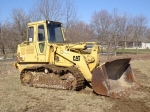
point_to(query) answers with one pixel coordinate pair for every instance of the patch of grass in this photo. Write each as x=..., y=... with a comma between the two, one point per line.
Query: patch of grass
x=8, y=55
x=17, y=98
x=133, y=51
x=130, y=51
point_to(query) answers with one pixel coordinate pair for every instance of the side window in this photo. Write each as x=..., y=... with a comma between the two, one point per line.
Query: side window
x=41, y=34
x=30, y=34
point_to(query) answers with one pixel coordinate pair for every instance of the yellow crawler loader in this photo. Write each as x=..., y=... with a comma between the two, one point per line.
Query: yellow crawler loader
x=46, y=60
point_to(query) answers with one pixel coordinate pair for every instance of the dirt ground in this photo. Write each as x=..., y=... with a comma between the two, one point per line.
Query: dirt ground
x=17, y=98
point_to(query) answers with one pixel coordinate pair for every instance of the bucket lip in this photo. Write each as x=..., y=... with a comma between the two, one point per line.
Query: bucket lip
x=119, y=59
x=104, y=63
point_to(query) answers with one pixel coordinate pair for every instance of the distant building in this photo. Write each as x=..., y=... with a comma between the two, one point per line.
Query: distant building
x=129, y=43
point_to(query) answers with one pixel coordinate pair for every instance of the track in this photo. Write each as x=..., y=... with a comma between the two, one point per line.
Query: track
x=51, y=76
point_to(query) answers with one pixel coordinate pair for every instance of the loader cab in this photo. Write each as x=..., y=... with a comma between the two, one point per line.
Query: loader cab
x=49, y=31
x=42, y=33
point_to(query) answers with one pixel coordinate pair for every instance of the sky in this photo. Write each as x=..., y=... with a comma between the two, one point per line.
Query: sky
x=84, y=8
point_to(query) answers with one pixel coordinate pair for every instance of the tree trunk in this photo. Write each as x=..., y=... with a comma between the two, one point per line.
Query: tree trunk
x=102, y=47
x=137, y=47
x=4, y=52
x=115, y=52
x=124, y=46
x=108, y=49
x=137, y=50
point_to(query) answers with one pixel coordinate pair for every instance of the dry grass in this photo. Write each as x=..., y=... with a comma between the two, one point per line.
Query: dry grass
x=17, y=98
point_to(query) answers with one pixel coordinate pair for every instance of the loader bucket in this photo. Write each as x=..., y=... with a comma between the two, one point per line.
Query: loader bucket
x=114, y=79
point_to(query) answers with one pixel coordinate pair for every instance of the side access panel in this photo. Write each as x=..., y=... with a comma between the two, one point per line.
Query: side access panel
x=28, y=53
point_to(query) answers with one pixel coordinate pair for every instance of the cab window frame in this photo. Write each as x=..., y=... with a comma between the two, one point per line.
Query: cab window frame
x=31, y=34
x=41, y=33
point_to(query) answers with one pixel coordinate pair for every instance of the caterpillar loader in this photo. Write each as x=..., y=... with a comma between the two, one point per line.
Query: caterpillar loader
x=46, y=60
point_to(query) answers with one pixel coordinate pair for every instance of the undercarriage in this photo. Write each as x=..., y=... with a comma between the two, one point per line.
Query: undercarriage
x=51, y=76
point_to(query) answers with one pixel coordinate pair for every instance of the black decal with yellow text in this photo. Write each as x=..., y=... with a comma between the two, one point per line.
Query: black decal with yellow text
x=76, y=58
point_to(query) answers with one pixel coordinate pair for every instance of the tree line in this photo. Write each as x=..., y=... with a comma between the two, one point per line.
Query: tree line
x=105, y=27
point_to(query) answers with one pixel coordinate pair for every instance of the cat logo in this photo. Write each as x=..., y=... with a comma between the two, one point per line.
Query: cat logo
x=76, y=58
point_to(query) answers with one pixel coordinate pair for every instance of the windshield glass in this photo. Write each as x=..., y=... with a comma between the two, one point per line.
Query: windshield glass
x=54, y=32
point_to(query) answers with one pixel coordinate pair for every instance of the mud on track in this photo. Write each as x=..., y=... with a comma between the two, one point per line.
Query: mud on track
x=17, y=98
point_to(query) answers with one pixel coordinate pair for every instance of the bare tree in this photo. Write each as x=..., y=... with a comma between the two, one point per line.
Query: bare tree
x=14, y=32
x=115, y=29
x=3, y=41
x=20, y=20
x=80, y=32
x=71, y=21
x=147, y=33
x=55, y=10
x=10, y=37
x=47, y=9
x=106, y=27
x=101, y=23
x=121, y=29
x=139, y=24
x=70, y=16
x=126, y=28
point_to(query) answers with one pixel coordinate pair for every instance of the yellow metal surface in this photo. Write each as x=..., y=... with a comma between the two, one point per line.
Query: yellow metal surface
x=33, y=52
x=46, y=44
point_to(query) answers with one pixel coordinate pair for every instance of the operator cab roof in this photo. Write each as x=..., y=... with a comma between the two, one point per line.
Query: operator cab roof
x=44, y=21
